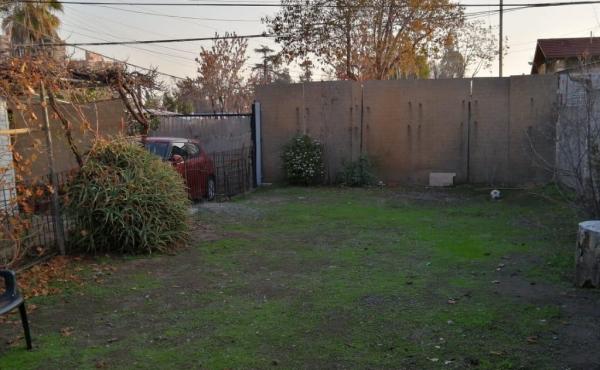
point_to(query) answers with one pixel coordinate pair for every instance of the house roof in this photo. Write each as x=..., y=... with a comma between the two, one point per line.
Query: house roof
x=563, y=48
x=570, y=47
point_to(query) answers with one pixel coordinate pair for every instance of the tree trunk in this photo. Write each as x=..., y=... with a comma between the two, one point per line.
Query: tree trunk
x=349, y=74
x=587, y=257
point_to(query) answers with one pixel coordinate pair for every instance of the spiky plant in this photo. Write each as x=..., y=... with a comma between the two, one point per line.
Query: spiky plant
x=126, y=200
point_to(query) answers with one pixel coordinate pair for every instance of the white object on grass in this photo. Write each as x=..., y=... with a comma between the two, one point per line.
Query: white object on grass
x=495, y=194
x=441, y=179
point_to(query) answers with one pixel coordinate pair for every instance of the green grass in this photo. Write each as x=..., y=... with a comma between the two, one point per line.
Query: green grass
x=322, y=278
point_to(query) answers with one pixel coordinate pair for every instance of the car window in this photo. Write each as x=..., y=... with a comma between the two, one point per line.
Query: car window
x=158, y=148
x=179, y=149
x=192, y=149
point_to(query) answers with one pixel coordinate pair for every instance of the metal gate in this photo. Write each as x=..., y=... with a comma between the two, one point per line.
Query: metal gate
x=231, y=142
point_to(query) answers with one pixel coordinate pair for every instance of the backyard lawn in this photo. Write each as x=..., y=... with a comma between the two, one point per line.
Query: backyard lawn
x=335, y=278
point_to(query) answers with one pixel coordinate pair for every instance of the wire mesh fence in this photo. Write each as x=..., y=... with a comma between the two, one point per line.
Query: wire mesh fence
x=27, y=227
x=233, y=171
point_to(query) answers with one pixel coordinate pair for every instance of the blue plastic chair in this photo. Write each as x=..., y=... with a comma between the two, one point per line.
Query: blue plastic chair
x=11, y=299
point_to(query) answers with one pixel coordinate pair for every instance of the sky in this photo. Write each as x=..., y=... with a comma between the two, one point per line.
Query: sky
x=89, y=23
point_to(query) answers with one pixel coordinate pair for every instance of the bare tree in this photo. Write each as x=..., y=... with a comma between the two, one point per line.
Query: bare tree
x=578, y=137
x=450, y=65
x=471, y=49
x=221, y=75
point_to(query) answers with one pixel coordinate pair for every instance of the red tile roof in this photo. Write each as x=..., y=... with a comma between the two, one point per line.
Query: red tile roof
x=569, y=48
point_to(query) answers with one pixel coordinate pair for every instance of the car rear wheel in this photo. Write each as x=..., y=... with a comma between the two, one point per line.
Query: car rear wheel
x=211, y=189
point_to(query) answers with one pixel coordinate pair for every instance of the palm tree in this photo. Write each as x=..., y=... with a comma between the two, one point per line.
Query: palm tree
x=31, y=23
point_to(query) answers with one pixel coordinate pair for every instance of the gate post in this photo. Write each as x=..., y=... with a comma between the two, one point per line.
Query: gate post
x=257, y=142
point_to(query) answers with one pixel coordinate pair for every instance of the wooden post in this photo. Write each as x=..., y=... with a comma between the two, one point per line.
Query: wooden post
x=587, y=256
x=55, y=205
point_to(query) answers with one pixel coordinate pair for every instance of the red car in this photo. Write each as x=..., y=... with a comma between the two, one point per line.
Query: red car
x=190, y=160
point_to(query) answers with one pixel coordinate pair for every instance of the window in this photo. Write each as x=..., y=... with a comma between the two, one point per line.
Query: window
x=192, y=149
x=179, y=149
x=159, y=149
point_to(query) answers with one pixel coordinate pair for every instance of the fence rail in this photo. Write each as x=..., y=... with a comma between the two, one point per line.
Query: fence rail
x=25, y=208
x=233, y=171
x=28, y=229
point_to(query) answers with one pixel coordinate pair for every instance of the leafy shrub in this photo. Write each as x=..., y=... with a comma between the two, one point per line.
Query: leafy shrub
x=126, y=200
x=303, y=160
x=358, y=173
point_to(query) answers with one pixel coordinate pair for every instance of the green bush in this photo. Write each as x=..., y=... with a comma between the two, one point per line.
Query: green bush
x=303, y=161
x=358, y=173
x=126, y=200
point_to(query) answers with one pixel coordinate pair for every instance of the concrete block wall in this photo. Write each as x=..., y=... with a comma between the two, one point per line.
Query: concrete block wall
x=105, y=118
x=481, y=129
x=327, y=111
x=532, y=123
x=489, y=131
x=410, y=130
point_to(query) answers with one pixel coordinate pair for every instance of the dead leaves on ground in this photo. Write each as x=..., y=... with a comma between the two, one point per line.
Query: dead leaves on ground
x=42, y=279
x=46, y=279
x=101, y=271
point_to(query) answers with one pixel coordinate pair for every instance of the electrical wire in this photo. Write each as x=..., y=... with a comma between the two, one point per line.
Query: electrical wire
x=122, y=61
x=180, y=16
x=162, y=41
x=265, y=4
x=80, y=24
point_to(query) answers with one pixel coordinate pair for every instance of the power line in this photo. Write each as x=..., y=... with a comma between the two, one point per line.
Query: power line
x=78, y=24
x=116, y=60
x=145, y=12
x=172, y=56
x=123, y=24
x=162, y=41
x=132, y=65
x=247, y=4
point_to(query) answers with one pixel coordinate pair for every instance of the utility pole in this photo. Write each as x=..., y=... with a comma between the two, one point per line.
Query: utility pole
x=59, y=230
x=265, y=71
x=265, y=51
x=501, y=51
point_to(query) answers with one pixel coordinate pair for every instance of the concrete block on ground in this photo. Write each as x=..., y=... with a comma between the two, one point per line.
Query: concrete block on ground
x=441, y=179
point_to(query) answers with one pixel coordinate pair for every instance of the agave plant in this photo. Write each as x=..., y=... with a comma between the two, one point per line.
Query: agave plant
x=126, y=200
